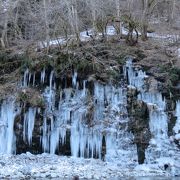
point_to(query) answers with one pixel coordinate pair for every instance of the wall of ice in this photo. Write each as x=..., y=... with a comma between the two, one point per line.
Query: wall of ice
x=94, y=123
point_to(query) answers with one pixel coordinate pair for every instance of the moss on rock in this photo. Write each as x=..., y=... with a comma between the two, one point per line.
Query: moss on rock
x=31, y=97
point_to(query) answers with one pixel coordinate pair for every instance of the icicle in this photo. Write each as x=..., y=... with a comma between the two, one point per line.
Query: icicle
x=176, y=128
x=49, y=94
x=99, y=101
x=51, y=80
x=75, y=139
x=74, y=79
x=84, y=89
x=43, y=74
x=26, y=78
x=7, y=137
x=29, y=120
x=54, y=137
x=45, y=136
x=62, y=132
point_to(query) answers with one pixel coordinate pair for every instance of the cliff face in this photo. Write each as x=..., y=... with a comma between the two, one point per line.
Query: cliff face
x=93, y=104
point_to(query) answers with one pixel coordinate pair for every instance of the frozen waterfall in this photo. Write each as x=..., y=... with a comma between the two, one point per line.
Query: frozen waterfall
x=89, y=123
x=92, y=121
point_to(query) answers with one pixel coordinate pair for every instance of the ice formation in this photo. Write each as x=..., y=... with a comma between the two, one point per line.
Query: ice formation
x=8, y=111
x=177, y=125
x=93, y=123
x=160, y=147
x=29, y=119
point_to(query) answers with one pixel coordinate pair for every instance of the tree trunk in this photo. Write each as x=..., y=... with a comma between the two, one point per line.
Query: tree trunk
x=76, y=24
x=144, y=21
x=118, y=21
x=4, y=41
x=73, y=19
x=171, y=18
x=46, y=25
x=144, y=36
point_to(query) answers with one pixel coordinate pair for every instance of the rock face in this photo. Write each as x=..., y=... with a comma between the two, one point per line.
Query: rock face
x=124, y=124
x=139, y=126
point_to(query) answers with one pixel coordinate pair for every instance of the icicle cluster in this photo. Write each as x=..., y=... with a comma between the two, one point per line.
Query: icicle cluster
x=29, y=119
x=158, y=123
x=28, y=77
x=93, y=121
x=71, y=115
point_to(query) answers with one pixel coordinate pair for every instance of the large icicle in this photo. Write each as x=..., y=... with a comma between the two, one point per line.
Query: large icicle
x=45, y=136
x=99, y=101
x=54, y=137
x=26, y=78
x=177, y=125
x=49, y=96
x=74, y=79
x=43, y=75
x=29, y=120
x=7, y=137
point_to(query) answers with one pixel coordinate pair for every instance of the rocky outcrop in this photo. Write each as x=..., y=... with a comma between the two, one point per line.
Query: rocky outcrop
x=139, y=123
